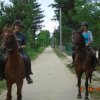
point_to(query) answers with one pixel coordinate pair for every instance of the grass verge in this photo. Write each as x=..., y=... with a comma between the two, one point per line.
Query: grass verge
x=59, y=53
x=95, y=95
x=98, y=68
x=34, y=53
x=2, y=86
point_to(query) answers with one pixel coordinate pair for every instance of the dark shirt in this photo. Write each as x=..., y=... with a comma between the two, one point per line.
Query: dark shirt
x=21, y=40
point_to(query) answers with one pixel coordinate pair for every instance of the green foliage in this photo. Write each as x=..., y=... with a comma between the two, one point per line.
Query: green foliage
x=67, y=11
x=43, y=38
x=59, y=53
x=28, y=11
x=90, y=12
x=2, y=86
x=37, y=17
x=78, y=11
x=33, y=53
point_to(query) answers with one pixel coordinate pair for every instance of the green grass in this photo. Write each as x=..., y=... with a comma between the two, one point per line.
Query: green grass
x=59, y=53
x=34, y=53
x=95, y=95
x=2, y=86
x=98, y=68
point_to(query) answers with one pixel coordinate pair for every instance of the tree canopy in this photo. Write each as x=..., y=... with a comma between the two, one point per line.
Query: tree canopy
x=28, y=11
x=76, y=11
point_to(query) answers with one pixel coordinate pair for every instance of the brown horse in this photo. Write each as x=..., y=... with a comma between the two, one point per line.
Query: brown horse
x=14, y=66
x=82, y=62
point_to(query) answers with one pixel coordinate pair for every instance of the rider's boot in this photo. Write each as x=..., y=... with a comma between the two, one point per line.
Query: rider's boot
x=29, y=80
x=28, y=71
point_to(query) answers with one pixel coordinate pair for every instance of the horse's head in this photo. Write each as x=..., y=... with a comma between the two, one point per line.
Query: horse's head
x=9, y=40
x=78, y=40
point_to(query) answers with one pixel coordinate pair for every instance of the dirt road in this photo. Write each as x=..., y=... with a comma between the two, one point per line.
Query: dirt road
x=52, y=80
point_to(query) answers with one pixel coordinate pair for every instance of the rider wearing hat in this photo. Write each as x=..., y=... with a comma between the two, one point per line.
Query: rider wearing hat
x=22, y=44
x=88, y=40
x=21, y=40
x=86, y=34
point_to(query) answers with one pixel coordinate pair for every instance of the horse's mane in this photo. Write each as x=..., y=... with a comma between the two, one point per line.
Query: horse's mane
x=8, y=29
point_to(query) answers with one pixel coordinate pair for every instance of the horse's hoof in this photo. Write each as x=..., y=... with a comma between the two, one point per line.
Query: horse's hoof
x=86, y=98
x=79, y=96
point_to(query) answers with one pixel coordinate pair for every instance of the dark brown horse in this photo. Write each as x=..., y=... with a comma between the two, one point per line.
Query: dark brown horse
x=14, y=66
x=82, y=62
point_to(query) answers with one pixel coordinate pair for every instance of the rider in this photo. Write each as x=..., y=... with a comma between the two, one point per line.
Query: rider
x=88, y=40
x=22, y=44
x=86, y=34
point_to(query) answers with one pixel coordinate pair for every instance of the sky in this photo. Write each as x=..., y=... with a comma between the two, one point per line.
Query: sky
x=48, y=24
x=49, y=13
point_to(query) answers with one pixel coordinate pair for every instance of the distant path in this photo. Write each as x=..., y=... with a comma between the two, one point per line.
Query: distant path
x=52, y=80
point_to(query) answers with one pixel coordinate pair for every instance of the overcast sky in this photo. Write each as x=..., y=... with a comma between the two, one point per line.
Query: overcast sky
x=48, y=12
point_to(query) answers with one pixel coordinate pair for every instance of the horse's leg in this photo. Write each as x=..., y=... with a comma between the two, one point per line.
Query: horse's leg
x=79, y=87
x=86, y=86
x=90, y=77
x=19, y=90
x=9, y=87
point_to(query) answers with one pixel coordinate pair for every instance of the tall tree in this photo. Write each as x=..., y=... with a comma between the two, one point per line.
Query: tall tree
x=89, y=10
x=26, y=10
x=43, y=38
x=37, y=19
x=67, y=11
